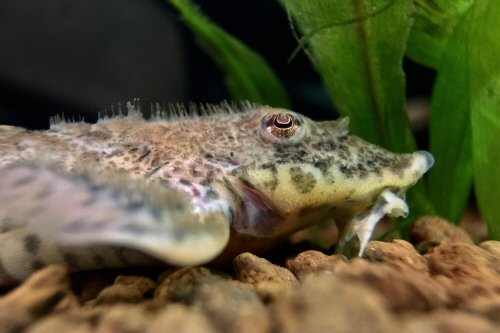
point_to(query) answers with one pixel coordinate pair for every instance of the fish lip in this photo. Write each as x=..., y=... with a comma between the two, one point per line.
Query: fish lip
x=423, y=161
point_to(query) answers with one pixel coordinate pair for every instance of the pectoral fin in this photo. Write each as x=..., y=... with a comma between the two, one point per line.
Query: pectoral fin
x=362, y=225
x=95, y=209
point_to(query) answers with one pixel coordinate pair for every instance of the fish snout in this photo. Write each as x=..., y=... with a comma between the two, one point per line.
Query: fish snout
x=422, y=161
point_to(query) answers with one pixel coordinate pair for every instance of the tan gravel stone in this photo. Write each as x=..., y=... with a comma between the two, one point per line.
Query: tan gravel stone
x=471, y=269
x=429, y=231
x=404, y=289
x=460, y=261
x=126, y=318
x=269, y=280
x=328, y=303
x=492, y=249
x=233, y=307
x=449, y=322
x=130, y=289
x=399, y=253
x=180, y=285
x=65, y=322
x=311, y=261
x=180, y=319
x=474, y=225
x=488, y=307
x=45, y=291
x=455, y=287
x=252, y=269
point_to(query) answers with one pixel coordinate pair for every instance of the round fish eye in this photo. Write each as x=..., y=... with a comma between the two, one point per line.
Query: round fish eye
x=282, y=127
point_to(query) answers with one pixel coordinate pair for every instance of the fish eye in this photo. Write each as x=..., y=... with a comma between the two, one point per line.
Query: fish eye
x=282, y=127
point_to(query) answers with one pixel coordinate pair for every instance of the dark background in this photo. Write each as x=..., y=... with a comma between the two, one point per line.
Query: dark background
x=81, y=57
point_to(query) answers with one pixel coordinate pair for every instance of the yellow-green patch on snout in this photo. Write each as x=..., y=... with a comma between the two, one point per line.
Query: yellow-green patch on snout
x=293, y=186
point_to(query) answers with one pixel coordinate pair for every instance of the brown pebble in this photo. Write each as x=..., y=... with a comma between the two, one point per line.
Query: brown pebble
x=429, y=231
x=65, y=322
x=124, y=318
x=392, y=288
x=404, y=288
x=328, y=303
x=14, y=321
x=232, y=307
x=252, y=269
x=474, y=226
x=488, y=307
x=269, y=291
x=130, y=289
x=470, y=268
x=268, y=279
x=462, y=261
x=180, y=319
x=41, y=292
x=492, y=249
x=311, y=261
x=449, y=322
x=45, y=291
x=180, y=285
x=399, y=253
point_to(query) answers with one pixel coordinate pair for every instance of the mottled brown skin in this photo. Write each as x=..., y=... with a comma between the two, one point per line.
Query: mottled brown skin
x=275, y=170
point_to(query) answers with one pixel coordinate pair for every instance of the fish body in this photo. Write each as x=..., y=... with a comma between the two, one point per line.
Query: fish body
x=187, y=189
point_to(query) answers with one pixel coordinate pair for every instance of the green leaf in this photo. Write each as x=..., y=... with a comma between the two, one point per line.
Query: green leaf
x=357, y=47
x=435, y=21
x=248, y=76
x=484, y=62
x=450, y=179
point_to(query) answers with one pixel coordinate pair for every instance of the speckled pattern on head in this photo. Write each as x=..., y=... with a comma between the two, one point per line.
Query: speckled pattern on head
x=260, y=173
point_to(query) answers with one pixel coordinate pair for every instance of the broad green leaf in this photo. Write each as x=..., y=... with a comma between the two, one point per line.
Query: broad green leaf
x=248, y=76
x=450, y=179
x=434, y=23
x=357, y=47
x=484, y=65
